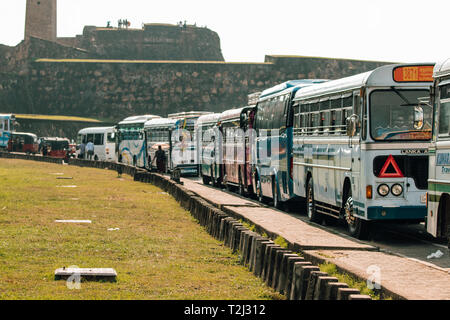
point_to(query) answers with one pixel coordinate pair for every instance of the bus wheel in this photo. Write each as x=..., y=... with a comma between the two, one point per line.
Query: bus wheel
x=96, y=158
x=357, y=227
x=313, y=215
x=205, y=179
x=134, y=161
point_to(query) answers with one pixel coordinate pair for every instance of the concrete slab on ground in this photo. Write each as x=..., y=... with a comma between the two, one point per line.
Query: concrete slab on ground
x=63, y=273
x=303, y=235
x=408, y=278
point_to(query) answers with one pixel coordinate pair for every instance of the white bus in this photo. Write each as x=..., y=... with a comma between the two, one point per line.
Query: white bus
x=438, y=218
x=209, y=146
x=157, y=133
x=360, y=146
x=104, y=140
x=184, y=146
x=131, y=140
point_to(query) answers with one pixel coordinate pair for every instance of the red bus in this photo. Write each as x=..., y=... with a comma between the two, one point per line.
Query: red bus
x=23, y=142
x=237, y=129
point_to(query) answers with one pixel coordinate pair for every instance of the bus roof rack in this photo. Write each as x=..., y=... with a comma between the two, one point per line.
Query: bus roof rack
x=188, y=114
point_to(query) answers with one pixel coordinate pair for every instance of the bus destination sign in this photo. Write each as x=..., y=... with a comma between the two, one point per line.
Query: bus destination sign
x=413, y=74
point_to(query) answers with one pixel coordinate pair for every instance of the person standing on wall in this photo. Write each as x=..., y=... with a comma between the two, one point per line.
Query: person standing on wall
x=90, y=150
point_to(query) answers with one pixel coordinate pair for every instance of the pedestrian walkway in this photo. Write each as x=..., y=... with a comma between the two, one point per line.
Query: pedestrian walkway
x=402, y=277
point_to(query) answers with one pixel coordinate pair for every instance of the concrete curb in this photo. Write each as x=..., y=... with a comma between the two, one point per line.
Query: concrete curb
x=280, y=268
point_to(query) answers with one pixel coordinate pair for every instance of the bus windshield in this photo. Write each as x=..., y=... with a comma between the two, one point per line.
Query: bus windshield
x=397, y=114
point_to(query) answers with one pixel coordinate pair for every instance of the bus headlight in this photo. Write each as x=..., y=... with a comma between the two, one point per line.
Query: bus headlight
x=397, y=189
x=383, y=190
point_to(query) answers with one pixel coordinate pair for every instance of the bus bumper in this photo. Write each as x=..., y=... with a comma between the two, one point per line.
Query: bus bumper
x=397, y=213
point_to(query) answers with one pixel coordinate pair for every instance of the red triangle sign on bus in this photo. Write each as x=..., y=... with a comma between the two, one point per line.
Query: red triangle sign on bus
x=391, y=161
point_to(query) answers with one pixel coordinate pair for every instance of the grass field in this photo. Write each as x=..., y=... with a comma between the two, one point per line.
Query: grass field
x=159, y=251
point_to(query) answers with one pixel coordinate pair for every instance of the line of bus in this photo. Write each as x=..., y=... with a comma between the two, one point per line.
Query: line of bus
x=438, y=217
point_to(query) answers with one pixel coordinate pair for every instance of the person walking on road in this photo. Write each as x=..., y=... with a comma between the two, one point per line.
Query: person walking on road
x=90, y=150
x=82, y=150
x=160, y=157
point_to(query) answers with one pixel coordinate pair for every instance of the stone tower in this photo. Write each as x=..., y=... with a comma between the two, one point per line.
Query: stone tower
x=40, y=19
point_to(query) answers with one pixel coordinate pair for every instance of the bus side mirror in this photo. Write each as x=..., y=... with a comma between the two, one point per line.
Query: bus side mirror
x=418, y=118
x=352, y=123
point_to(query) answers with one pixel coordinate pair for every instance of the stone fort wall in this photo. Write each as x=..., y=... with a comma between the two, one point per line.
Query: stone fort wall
x=112, y=90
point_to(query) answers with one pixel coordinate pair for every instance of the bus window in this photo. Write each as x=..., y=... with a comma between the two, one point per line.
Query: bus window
x=444, y=118
x=326, y=122
x=333, y=122
x=98, y=139
x=315, y=122
x=111, y=137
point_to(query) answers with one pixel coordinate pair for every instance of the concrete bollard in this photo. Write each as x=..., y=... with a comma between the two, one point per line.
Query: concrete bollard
x=332, y=289
x=271, y=264
x=312, y=282
x=321, y=286
x=231, y=231
x=344, y=293
x=267, y=251
x=300, y=280
x=248, y=247
x=243, y=244
x=290, y=272
x=236, y=237
x=282, y=274
x=259, y=256
x=277, y=267
x=252, y=259
x=359, y=297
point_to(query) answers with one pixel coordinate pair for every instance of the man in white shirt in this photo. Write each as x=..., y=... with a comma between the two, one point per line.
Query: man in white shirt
x=90, y=150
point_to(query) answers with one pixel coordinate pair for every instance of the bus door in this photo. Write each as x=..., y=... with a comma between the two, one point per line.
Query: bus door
x=355, y=143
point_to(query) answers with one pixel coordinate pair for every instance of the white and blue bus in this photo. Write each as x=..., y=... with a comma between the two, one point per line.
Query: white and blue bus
x=438, y=218
x=183, y=151
x=131, y=141
x=360, y=146
x=272, y=153
x=209, y=146
x=7, y=123
x=157, y=133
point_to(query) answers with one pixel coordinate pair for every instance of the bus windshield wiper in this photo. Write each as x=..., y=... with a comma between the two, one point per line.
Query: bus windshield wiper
x=403, y=97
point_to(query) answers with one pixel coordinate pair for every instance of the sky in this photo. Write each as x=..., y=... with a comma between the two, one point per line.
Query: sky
x=380, y=30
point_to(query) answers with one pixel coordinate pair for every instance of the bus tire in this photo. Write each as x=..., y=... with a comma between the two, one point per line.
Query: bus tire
x=357, y=227
x=313, y=215
x=205, y=179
